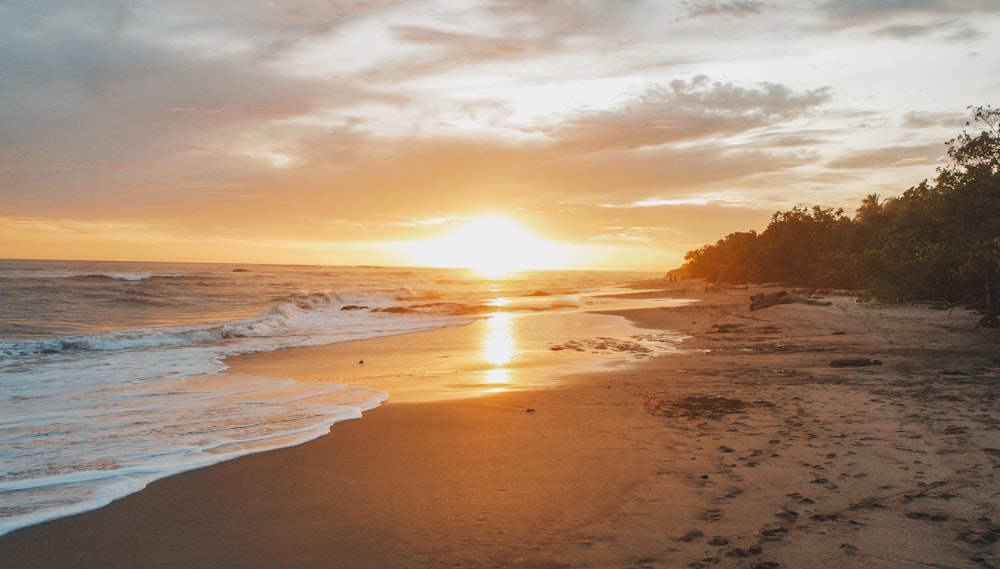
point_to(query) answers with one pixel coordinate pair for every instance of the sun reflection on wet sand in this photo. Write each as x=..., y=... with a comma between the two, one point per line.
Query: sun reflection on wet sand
x=497, y=380
x=498, y=350
x=498, y=346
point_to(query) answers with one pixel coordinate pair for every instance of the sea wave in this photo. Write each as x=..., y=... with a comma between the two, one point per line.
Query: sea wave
x=108, y=452
x=310, y=313
x=111, y=374
x=125, y=277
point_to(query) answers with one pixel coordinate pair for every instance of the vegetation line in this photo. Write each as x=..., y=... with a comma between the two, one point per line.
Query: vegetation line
x=939, y=239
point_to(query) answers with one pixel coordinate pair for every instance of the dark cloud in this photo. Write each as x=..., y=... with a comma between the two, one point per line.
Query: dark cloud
x=688, y=110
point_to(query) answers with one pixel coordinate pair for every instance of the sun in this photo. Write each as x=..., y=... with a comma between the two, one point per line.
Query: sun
x=494, y=246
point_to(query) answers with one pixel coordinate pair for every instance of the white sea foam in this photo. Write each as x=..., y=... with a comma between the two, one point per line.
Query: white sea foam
x=111, y=376
x=304, y=319
x=114, y=441
x=90, y=418
x=105, y=415
x=127, y=276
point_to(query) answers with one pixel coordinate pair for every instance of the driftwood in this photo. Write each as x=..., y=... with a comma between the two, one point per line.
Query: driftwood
x=761, y=300
x=989, y=321
x=855, y=362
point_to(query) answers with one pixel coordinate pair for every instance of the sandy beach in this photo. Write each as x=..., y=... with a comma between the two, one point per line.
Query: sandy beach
x=763, y=443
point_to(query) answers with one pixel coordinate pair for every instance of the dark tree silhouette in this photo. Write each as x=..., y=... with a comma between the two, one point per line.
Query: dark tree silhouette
x=939, y=239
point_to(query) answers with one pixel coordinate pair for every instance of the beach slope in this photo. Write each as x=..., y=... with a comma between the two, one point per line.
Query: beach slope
x=847, y=435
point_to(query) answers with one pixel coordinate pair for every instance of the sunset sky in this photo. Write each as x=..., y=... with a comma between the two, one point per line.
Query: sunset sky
x=622, y=133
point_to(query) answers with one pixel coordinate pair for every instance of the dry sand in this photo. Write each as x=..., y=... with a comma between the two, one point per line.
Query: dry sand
x=746, y=450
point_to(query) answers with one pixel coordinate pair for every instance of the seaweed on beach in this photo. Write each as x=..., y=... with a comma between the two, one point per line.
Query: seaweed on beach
x=706, y=406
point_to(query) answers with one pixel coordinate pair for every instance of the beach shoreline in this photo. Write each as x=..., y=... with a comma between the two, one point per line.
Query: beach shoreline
x=745, y=449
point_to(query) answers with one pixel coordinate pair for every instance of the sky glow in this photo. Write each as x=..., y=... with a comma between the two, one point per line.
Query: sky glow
x=330, y=132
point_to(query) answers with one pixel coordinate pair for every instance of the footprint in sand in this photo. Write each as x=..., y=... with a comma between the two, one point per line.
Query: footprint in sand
x=867, y=505
x=729, y=497
x=986, y=534
x=800, y=498
x=773, y=533
x=691, y=535
x=748, y=552
x=714, y=515
x=787, y=515
x=928, y=516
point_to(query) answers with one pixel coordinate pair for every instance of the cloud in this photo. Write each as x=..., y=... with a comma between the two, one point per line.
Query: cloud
x=894, y=156
x=673, y=229
x=427, y=51
x=912, y=18
x=733, y=8
x=467, y=46
x=338, y=120
x=687, y=111
x=907, y=31
x=964, y=33
x=917, y=119
x=800, y=139
x=79, y=98
x=866, y=11
x=950, y=30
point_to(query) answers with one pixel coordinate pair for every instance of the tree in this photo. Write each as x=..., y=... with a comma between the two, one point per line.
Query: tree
x=796, y=242
x=732, y=259
x=870, y=210
x=972, y=188
x=939, y=239
x=978, y=151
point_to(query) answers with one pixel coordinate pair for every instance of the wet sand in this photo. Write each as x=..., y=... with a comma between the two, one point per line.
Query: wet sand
x=749, y=449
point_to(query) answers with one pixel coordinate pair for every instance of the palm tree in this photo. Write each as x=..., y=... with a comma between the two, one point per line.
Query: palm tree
x=870, y=209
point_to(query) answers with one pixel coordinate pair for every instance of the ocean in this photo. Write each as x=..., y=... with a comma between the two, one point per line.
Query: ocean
x=112, y=374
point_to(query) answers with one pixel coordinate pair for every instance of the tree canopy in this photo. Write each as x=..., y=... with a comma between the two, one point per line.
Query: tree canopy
x=939, y=239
